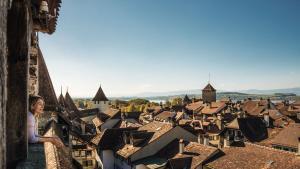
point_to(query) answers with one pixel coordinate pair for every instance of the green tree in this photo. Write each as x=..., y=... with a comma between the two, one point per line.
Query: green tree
x=177, y=101
x=138, y=101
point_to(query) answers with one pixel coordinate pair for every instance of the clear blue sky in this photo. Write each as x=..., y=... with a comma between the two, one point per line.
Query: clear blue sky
x=134, y=46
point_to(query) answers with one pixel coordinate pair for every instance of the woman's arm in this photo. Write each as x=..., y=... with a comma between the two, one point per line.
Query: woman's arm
x=54, y=140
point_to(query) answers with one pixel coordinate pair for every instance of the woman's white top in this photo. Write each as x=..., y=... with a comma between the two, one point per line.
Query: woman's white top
x=31, y=129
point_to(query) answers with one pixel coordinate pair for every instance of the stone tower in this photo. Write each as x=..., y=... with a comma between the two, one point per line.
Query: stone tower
x=209, y=94
x=100, y=100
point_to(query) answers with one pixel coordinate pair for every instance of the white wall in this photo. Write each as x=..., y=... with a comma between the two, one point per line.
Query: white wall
x=121, y=164
x=108, y=159
x=101, y=106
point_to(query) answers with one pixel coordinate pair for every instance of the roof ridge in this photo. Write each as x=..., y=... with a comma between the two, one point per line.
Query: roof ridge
x=270, y=148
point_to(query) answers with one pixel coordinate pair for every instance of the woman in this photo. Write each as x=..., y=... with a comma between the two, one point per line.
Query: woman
x=36, y=108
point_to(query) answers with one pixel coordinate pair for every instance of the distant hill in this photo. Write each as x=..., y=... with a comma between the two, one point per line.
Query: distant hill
x=170, y=93
x=273, y=91
x=239, y=92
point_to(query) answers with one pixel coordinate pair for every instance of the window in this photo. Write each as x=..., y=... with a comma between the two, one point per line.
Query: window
x=76, y=153
x=82, y=153
x=89, y=153
x=87, y=163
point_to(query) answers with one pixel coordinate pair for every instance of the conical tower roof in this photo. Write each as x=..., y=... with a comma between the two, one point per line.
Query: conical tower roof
x=61, y=101
x=100, y=96
x=70, y=105
x=209, y=87
x=46, y=89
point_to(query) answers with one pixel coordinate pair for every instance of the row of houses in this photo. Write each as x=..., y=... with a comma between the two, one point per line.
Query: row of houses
x=199, y=134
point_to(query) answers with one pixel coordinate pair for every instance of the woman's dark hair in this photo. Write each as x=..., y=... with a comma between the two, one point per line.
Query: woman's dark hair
x=33, y=99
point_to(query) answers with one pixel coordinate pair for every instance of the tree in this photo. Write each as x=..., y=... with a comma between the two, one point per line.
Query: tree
x=138, y=101
x=177, y=101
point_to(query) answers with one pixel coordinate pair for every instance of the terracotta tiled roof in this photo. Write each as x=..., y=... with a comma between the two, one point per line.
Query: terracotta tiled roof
x=156, y=128
x=198, y=152
x=296, y=103
x=154, y=109
x=213, y=108
x=97, y=122
x=194, y=154
x=113, y=113
x=100, y=96
x=288, y=136
x=255, y=108
x=165, y=115
x=253, y=156
x=128, y=123
x=196, y=106
x=209, y=87
x=96, y=139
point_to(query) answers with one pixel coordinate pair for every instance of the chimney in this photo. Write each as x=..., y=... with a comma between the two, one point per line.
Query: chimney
x=226, y=141
x=219, y=121
x=181, y=146
x=82, y=124
x=206, y=140
x=200, y=141
x=239, y=114
x=269, y=103
x=126, y=138
x=267, y=119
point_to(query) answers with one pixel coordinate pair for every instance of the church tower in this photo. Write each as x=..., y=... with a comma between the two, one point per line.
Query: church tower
x=100, y=100
x=209, y=94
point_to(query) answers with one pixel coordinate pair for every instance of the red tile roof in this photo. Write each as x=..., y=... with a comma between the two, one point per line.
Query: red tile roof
x=288, y=136
x=193, y=156
x=213, y=108
x=254, y=156
x=196, y=106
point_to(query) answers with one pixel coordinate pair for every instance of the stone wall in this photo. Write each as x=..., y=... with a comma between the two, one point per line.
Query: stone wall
x=19, y=27
x=209, y=96
x=3, y=74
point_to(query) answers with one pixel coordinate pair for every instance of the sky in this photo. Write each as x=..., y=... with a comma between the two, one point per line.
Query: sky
x=136, y=46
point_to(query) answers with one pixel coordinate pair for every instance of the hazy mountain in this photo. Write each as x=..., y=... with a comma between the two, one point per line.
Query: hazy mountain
x=198, y=92
x=272, y=91
x=170, y=93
